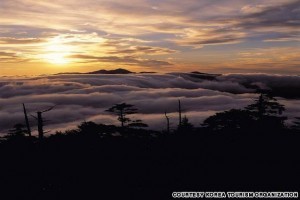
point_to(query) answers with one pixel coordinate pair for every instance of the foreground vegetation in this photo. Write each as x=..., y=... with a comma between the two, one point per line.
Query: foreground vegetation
x=236, y=150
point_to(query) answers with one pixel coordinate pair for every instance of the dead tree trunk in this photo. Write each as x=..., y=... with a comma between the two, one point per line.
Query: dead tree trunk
x=122, y=118
x=41, y=122
x=40, y=125
x=26, y=121
x=168, y=123
x=179, y=112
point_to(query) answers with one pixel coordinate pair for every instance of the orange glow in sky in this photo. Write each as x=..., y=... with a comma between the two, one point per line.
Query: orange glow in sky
x=39, y=37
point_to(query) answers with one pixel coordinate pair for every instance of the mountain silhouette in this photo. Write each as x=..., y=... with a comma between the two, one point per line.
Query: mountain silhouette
x=102, y=71
x=114, y=71
x=204, y=76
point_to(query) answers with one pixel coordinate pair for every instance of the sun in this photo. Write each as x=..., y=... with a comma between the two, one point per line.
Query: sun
x=56, y=58
x=56, y=52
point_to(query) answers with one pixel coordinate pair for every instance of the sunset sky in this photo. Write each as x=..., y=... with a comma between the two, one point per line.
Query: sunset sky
x=216, y=36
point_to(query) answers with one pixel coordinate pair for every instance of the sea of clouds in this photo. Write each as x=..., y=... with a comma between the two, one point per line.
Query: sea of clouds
x=83, y=97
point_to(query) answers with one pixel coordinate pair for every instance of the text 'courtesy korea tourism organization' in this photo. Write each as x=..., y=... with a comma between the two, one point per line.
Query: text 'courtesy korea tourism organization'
x=235, y=195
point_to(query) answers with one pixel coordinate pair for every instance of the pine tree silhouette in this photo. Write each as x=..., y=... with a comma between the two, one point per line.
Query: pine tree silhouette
x=266, y=111
x=265, y=105
x=122, y=111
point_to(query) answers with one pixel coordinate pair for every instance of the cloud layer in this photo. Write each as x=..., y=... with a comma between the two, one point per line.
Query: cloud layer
x=86, y=97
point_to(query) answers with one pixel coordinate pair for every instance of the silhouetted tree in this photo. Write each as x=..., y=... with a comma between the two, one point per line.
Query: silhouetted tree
x=41, y=121
x=26, y=120
x=266, y=111
x=88, y=127
x=122, y=110
x=265, y=105
x=19, y=130
x=138, y=124
x=232, y=119
x=168, y=122
x=296, y=123
x=179, y=113
x=262, y=114
x=185, y=126
x=91, y=129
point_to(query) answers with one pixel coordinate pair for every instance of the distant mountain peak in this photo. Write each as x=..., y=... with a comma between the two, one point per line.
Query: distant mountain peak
x=114, y=71
x=201, y=73
x=204, y=76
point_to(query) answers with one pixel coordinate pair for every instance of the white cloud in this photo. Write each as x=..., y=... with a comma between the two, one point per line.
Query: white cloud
x=86, y=97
